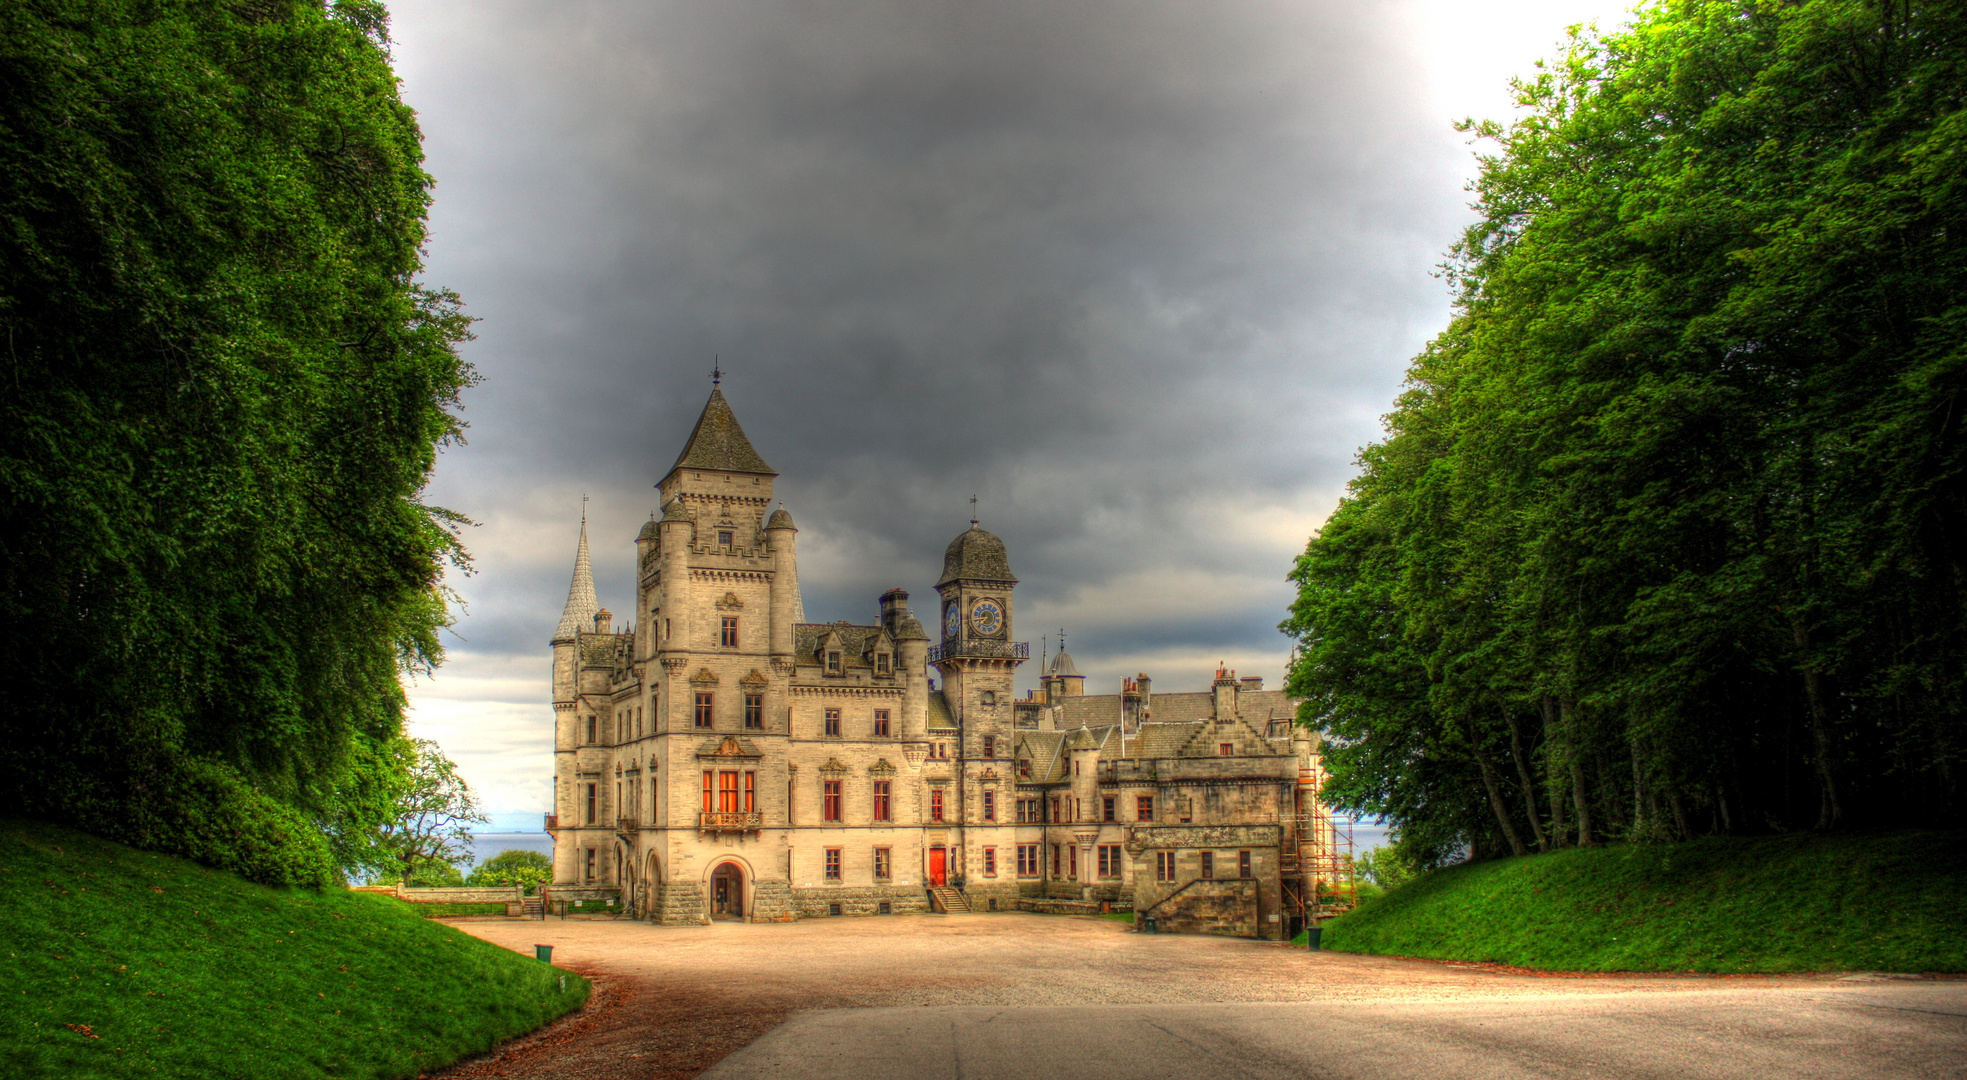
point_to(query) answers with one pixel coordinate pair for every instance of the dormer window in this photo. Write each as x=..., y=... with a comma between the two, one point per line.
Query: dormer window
x=724, y=538
x=881, y=663
x=832, y=663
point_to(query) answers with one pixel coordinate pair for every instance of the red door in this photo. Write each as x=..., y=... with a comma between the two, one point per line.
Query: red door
x=938, y=868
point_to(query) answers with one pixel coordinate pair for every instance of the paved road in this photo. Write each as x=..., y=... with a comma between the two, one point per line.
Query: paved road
x=1874, y=1031
x=1018, y=995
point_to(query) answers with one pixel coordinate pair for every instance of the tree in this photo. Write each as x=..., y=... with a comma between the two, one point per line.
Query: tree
x=513, y=866
x=433, y=815
x=225, y=390
x=1664, y=534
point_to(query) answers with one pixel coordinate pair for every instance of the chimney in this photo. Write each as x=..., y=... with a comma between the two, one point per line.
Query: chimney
x=894, y=608
x=1251, y=684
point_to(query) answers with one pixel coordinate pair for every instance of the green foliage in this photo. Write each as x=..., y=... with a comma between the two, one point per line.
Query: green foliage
x=1822, y=902
x=428, y=873
x=1386, y=867
x=224, y=394
x=430, y=816
x=513, y=867
x=1666, y=535
x=123, y=963
x=450, y=911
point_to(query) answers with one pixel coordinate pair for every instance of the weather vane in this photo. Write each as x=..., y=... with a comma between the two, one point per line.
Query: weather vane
x=973, y=509
x=1061, y=639
x=716, y=369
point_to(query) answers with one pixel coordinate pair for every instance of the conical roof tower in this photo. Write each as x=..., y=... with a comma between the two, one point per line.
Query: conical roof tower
x=581, y=603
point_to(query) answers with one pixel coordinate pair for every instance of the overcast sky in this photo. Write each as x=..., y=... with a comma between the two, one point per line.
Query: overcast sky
x=1140, y=276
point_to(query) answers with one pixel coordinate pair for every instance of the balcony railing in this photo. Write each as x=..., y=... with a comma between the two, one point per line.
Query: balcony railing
x=1000, y=650
x=552, y=822
x=727, y=821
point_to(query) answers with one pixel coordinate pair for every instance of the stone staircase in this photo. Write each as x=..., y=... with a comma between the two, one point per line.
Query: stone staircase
x=533, y=907
x=949, y=901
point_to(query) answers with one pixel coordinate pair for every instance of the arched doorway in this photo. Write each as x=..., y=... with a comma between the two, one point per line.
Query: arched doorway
x=727, y=892
x=651, y=887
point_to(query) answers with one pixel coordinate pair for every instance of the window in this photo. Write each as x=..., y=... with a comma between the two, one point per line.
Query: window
x=1164, y=866
x=704, y=702
x=990, y=746
x=754, y=712
x=833, y=909
x=1027, y=860
x=1144, y=808
x=591, y=737
x=833, y=723
x=728, y=636
x=1027, y=811
x=1225, y=749
x=709, y=800
x=831, y=810
x=883, y=808
x=833, y=663
x=990, y=806
x=750, y=792
x=724, y=538
x=1055, y=860
x=887, y=908
x=590, y=864
x=1243, y=864
x=1106, y=808
x=1072, y=862
x=880, y=723
x=1109, y=855
x=990, y=697
x=883, y=864
x=1075, y=766
x=990, y=862
x=1208, y=864
x=1055, y=809
x=833, y=868
x=1188, y=809
x=881, y=663
x=935, y=804
x=1024, y=768
x=592, y=802
x=727, y=792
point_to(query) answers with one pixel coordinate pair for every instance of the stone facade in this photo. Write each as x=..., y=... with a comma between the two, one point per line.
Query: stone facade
x=719, y=756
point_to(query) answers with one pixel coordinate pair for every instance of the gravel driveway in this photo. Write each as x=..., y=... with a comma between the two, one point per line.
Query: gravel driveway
x=672, y=1001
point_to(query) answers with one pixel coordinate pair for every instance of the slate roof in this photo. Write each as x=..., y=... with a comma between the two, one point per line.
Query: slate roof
x=854, y=641
x=780, y=520
x=578, y=615
x=976, y=553
x=1045, y=749
x=717, y=442
x=1062, y=665
x=940, y=718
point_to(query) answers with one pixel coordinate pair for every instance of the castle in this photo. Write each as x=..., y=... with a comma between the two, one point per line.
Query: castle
x=720, y=757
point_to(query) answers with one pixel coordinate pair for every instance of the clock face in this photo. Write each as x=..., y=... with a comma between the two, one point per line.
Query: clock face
x=952, y=621
x=986, y=617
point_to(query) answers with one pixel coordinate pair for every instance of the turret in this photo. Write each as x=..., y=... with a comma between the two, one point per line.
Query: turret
x=678, y=533
x=911, y=658
x=783, y=538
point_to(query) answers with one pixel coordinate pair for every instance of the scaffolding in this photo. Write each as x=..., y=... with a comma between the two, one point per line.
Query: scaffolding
x=1317, y=854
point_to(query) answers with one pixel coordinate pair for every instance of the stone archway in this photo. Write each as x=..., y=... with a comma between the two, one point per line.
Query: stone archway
x=652, y=887
x=728, y=901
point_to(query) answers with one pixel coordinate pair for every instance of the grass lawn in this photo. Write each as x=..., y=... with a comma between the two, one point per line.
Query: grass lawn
x=1119, y=916
x=1840, y=902
x=123, y=963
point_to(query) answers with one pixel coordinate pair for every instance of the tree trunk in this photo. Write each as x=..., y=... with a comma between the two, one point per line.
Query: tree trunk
x=1830, y=813
x=1558, y=836
x=1495, y=796
x=1529, y=785
x=1721, y=803
x=1579, y=795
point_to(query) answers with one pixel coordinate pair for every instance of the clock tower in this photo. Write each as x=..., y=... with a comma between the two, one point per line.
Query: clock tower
x=977, y=657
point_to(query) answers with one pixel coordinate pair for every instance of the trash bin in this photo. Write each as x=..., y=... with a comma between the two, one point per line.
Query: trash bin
x=1147, y=925
x=1311, y=936
x=543, y=953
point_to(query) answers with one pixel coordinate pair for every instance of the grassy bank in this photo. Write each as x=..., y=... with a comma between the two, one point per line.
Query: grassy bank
x=1867, y=902
x=123, y=963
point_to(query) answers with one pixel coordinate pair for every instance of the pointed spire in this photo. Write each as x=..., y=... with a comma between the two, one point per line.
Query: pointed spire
x=581, y=604
x=717, y=442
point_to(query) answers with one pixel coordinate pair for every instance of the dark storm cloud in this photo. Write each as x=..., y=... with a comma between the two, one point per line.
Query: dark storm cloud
x=1141, y=276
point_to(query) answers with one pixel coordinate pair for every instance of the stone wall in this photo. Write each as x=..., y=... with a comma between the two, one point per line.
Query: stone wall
x=501, y=895
x=817, y=903
x=1210, y=906
x=1059, y=907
